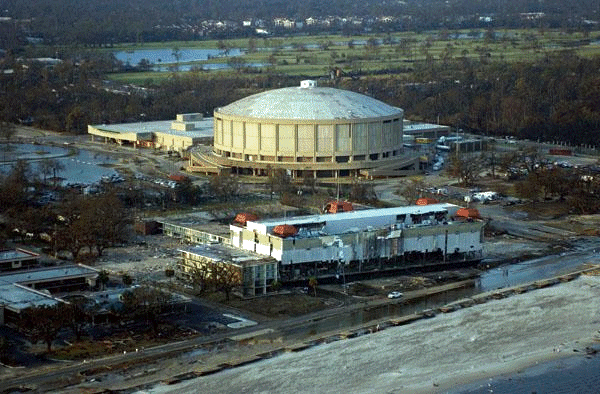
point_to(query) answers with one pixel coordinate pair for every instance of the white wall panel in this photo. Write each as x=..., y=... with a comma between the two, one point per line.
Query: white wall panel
x=251, y=136
x=287, y=138
x=360, y=137
x=324, y=138
x=238, y=135
x=387, y=137
x=374, y=136
x=342, y=138
x=306, y=139
x=227, y=137
x=267, y=138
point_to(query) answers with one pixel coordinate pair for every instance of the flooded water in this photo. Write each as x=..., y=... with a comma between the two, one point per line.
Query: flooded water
x=78, y=166
x=206, y=66
x=497, y=278
x=167, y=55
x=577, y=374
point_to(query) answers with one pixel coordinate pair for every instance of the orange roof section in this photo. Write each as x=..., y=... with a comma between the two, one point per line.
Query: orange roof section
x=285, y=230
x=468, y=213
x=242, y=218
x=426, y=201
x=338, y=206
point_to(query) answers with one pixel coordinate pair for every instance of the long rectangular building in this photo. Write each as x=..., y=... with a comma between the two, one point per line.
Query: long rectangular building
x=363, y=241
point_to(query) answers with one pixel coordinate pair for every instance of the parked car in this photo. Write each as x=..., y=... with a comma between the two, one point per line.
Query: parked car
x=395, y=294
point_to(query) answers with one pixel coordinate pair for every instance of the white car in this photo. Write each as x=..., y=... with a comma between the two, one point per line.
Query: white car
x=395, y=294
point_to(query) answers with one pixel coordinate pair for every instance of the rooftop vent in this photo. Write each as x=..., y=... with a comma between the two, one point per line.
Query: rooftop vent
x=308, y=83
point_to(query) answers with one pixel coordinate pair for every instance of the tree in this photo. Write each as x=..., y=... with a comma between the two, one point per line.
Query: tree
x=109, y=220
x=126, y=279
x=278, y=181
x=224, y=186
x=199, y=277
x=276, y=285
x=411, y=190
x=225, y=277
x=145, y=302
x=74, y=316
x=313, y=283
x=465, y=167
x=236, y=63
x=7, y=131
x=363, y=192
x=42, y=323
x=176, y=53
x=103, y=278
x=50, y=166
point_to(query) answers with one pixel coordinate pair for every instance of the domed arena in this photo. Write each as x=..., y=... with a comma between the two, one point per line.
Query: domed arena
x=309, y=131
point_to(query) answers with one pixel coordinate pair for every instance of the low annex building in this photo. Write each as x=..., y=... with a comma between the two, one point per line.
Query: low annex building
x=16, y=259
x=185, y=131
x=23, y=289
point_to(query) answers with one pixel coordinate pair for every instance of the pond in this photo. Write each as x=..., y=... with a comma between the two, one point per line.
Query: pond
x=166, y=56
x=79, y=166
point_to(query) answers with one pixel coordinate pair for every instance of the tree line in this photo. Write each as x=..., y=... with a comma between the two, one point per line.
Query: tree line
x=93, y=23
x=555, y=98
x=74, y=224
x=145, y=305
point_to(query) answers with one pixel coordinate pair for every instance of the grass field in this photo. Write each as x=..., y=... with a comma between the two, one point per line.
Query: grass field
x=314, y=56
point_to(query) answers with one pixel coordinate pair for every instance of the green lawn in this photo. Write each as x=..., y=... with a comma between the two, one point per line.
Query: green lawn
x=314, y=55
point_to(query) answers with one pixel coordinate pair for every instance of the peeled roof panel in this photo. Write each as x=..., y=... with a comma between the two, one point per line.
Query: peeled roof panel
x=309, y=104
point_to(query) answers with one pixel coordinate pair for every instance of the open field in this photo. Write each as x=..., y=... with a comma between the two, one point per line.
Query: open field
x=401, y=53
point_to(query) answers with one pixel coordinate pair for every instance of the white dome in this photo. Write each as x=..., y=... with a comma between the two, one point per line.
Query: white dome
x=309, y=103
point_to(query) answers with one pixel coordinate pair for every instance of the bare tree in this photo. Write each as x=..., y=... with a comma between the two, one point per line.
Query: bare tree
x=7, y=131
x=147, y=303
x=42, y=323
x=411, y=190
x=224, y=186
x=225, y=277
x=466, y=168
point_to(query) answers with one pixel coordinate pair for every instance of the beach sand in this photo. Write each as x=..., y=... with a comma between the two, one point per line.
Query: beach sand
x=429, y=356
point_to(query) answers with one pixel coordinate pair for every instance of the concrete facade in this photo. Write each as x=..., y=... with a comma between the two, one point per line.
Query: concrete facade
x=254, y=274
x=310, y=132
x=364, y=241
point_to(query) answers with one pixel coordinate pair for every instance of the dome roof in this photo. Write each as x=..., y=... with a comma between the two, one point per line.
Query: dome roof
x=309, y=102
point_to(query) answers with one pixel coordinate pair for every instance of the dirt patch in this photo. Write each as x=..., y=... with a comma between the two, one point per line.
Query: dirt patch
x=382, y=286
x=275, y=306
x=545, y=210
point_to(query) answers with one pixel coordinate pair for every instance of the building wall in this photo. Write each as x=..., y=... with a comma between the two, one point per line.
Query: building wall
x=276, y=141
x=255, y=277
x=191, y=235
x=364, y=245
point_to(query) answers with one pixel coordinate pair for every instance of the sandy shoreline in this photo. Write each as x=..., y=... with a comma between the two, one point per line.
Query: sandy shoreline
x=430, y=356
